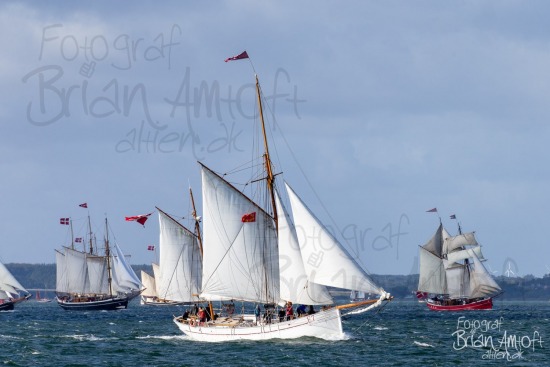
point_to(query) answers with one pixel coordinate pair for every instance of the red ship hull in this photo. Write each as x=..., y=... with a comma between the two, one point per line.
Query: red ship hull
x=484, y=304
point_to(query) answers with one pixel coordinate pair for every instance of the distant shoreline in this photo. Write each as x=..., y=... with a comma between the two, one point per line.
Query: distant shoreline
x=402, y=287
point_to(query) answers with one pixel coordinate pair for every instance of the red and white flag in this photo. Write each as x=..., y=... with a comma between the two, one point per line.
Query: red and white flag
x=78, y=239
x=64, y=221
x=242, y=55
x=248, y=218
x=141, y=219
x=151, y=248
x=83, y=205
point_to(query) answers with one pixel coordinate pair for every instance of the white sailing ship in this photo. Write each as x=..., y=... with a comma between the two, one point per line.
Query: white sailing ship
x=11, y=291
x=253, y=254
x=94, y=280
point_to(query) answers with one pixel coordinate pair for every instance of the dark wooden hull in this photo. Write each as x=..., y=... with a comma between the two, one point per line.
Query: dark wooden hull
x=484, y=304
x=6, y=306
x=107, y=305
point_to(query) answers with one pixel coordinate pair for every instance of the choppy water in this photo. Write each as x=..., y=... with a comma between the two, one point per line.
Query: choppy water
x=403, y=334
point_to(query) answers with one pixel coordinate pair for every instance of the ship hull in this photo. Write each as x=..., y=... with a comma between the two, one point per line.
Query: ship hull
x=107, y=305
x=323, y=324
x=7, y=306
x=147, y=301
x=484, y=304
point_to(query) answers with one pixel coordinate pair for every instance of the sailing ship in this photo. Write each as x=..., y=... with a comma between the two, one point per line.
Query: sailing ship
x=177, y=277
x=252, y=253
x=40, y=299
x=11, y=291
x=94, y=280
x=452, y=275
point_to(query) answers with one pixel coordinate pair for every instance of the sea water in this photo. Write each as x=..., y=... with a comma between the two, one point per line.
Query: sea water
x=400, y=334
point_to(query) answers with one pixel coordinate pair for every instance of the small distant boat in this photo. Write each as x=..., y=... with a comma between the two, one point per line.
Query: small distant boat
x=452, y=275
x=11, y=291
x=94, y=281
x=40, y=299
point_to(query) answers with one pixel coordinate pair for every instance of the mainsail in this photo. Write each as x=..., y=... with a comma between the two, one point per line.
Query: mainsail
x=240, y=260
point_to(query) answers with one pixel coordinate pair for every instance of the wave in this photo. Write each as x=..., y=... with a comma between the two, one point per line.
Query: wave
x=423, y=344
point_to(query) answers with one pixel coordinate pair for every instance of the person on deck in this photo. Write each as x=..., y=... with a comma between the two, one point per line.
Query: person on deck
x=257, y=313
x=289, y=311
x=202, y=316
x=301, y=310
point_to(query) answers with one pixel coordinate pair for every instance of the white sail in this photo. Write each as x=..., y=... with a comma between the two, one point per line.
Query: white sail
x=180, y=262
x=8, y=283
x=241, y=259
x=454, y=242
x=97, y=274
x=325, y=260
x=482, y=283
x=148, y=285
x=458, y=282
x=435, y=244
x=454, y=257
x=295, y=286
x=156, y=275
x=432, y=277
x=61, y=284
x=76, y=271
x=125, y=279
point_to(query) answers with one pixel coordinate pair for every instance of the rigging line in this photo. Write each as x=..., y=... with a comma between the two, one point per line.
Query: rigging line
x=293, y=155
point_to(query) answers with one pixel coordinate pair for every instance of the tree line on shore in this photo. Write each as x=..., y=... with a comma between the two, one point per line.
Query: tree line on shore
x=528, y=287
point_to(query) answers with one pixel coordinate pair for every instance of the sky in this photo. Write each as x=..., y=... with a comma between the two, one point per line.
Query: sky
x=377, y=111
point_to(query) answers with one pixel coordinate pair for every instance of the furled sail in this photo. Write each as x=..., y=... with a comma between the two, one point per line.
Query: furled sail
x=325, y=260
x=180, y=262
x=241, y=259
x=295, y=286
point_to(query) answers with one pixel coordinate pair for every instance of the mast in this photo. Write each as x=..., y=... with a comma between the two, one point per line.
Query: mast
x=108, y=254
x=199, y=238
x=72, y=235
x=270, y=176
x=91, y=234
x=197, y=225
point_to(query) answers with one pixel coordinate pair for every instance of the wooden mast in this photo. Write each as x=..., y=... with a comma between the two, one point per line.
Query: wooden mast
x=91, y=234
x=199, y=238
x=108, y=254
x=268, y=169
x=270, y=176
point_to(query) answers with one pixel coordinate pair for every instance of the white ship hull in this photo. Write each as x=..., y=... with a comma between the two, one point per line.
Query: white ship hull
x=323, y=324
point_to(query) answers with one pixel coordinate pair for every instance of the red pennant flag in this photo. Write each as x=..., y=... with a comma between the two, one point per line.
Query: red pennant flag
x=83, y=205
x=141, y=219
x=240, y=56
x=248, y=218
x=64, y=221
x=151, y=248
x=434, y=210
